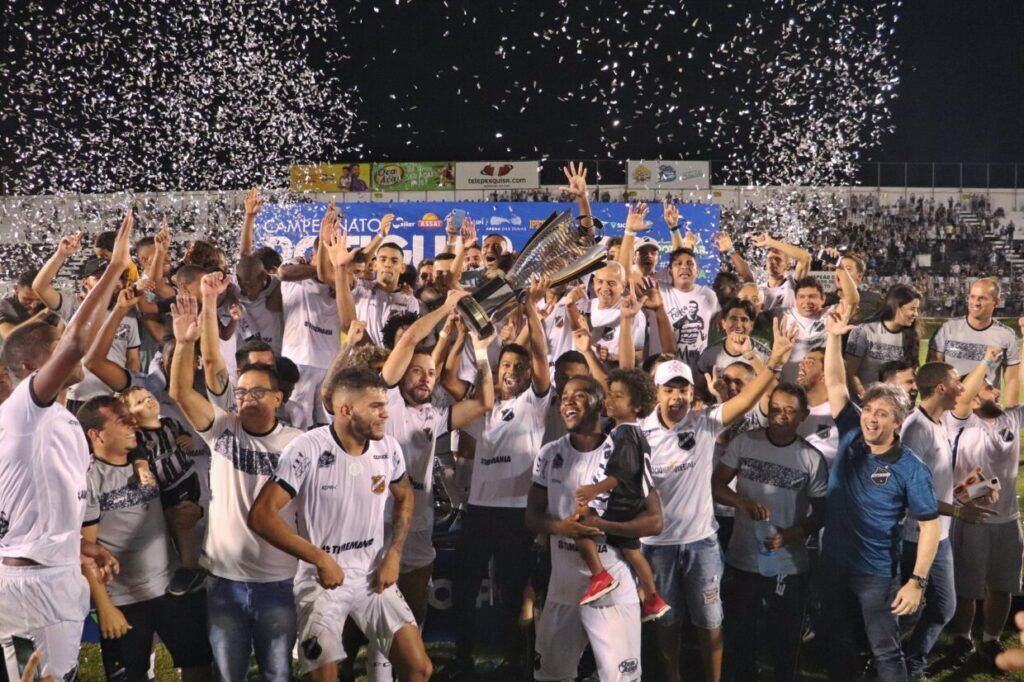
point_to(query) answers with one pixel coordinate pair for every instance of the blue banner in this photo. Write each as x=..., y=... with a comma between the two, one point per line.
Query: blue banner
x=419, y=226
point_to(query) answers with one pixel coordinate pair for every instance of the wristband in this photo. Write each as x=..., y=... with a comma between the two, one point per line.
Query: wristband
x=730, y=252
x=988, y=363
x=442, y=336
x=673, y=229
x=481, y=354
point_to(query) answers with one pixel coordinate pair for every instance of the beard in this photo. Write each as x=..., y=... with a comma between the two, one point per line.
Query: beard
x=990, y=409
x=363, y=429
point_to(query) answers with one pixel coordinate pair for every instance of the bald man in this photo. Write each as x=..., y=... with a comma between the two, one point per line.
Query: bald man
x=603, y=315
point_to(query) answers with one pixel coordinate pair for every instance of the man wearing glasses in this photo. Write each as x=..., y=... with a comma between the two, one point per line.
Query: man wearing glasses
x=249, y=592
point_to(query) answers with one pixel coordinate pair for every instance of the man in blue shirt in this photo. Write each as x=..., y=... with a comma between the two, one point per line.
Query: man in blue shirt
x=875, y=482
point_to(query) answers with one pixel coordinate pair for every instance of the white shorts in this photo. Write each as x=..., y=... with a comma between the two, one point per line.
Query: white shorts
x=418, y=551
x=48, y=605
x=306, y=395
x=563, y=631
x=322, y=614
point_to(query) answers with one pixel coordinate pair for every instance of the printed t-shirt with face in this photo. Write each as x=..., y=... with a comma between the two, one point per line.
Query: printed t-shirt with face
x=241, y=464
x=260, y=322
x=311, y=323
x=682, y=461
x=782, y=477
x=963, y=346
x=875, y=345
x=819, y=429
x=993, y=445
x=339, y=498
x=781, y=297
x=690, y=313
x=416, y=429
x=606, y=325
x=561, y=469
x=930, y=442
x=375, y=306
x=44, y=458
x=507, y=441
x=131, y=525
x=810, y=334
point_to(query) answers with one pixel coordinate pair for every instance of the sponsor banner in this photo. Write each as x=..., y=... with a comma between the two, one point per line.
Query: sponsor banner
x=331, y=177
x=497, y=175
x=826, y=278
x=419, y=226
x=413, y=176
x=693, y=175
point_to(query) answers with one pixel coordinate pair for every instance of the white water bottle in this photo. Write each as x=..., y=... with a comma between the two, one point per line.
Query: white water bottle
x=767, y=559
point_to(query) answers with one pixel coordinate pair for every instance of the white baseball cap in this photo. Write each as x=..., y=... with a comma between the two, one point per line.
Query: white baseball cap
x=645, y=242
x=672, y=369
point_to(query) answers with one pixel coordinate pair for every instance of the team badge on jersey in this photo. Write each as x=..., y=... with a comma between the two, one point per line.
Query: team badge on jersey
x=823, y=431
x=880, y=476
x=687, y=440
x=1006, y=435
x=507, y=414
x=5, y=525
x=377, y=485
x=327, y=458
x=428, y=433
x=311, y=648
x=557, y=462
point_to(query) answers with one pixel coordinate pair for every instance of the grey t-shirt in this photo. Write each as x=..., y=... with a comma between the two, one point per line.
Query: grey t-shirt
x=963, y=346
x=875, y=345
x=716, y=355
x=132, y=527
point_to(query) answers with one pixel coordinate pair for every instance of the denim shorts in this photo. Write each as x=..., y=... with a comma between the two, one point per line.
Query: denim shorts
x=689, y=578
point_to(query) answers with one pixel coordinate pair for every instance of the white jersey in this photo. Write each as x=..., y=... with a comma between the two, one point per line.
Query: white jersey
x=993, y=445
x=606, y=327
x=781, y=297
x=241, y=464
x=819, y=429
x=375, y=305
x=682, y=461
x=416, y=430
x=810, y=334
x=339, y=498
x=930, y=442
x=311, y=323
x=125, y=338
x=561, y=469
x=44, y=458
x=690, y=313
x=558, y=329
x=963, y=346
x=258, y=320
x=874, y=345
x=507, y=441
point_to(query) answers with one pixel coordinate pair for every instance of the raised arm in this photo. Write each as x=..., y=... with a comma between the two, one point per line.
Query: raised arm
x=835, y=370
x=385, y=228
x=634, y=223
x=467, y=411
x=651, y=299
x=405, y=346
x=198, y=410
x=629, y=308
x=109, y=372
x=215, y=369
x=801, y=256
x=581, y=341
x=467, y=237
x=728, y=249
x=82, y=328
x=328, y=226
x=253, y=204
x=155, y=271
x=671, y=215
x=43, y=282
x=538, y=340
x=975, y=381
x=296, y=272
x=576, y=176
x=848, y=289
x=335, y=244
x=746, y=400
x=450, y=380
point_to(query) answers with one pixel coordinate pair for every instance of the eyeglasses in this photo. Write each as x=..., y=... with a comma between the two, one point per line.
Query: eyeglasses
x=256, y=393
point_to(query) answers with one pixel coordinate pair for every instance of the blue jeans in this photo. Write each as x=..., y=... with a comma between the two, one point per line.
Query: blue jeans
x=937, y=610
x=689, y=579
x=251, y=616
x=846, y=599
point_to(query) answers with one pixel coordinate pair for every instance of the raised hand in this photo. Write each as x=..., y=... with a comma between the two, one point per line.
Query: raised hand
x=575, y=295
x=538, y=286
x=236, y=311
x=121, y=254
x=581, y=339
x=468, y=232
x=329, y=219
x=336, y=243
x=69, y=245
x=576, y=176
x=635, y=219
x=185, y=317
x=671, y=214
x=127, y=298
x=716, y=385
x=785, y=334
x=356, y=332
x=838, y=320
x=454, y=296
x=162, y=239
x=690, y=240
x=213, y=284
x=253, y=203
x=723, y=241
x=650, y=294
x=993, y=354
x=762, y=240
x=629, y=306
x=481, y=344
x=385, y=223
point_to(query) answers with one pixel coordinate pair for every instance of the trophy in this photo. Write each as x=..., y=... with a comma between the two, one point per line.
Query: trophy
x=561, y=248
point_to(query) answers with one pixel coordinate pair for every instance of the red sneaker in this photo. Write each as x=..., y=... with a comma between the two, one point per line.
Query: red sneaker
x=600, y=585
x=653, y=608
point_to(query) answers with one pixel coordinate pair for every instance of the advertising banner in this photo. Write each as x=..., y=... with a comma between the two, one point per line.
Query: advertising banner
x=331, y=177
x=419, y=226
x=413, y=176
x=661, y=174
x=497, y=175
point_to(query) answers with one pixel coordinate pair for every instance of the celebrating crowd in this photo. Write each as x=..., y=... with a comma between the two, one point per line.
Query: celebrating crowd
x=244, y=459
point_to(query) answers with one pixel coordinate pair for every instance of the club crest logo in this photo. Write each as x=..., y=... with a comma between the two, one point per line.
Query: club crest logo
x=687, y=440
x=377, y=485
x=5, y=525
x=327, y=458
x=557, y=462
x=880, y=476
x=311, y=648
x=508, y=414
x=1006, y=435
x=428, y=433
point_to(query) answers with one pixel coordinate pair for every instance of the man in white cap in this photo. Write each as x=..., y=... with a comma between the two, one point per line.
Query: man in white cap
x=686, y=556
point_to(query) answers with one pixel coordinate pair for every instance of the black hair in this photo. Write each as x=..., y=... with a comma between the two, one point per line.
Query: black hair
x=269, y=370
x=253, y=345
x=427, y=261
x=741, y=303
x=287, y=371
x=392, y=245
x=442, y=256
x=90, y=414
x=515, y=349
x=106, y=240
x=27, y=344
x=144, y=242
x=642, y=393
x=26, y=278
x=892, y=368
x=896, y=297
x=652, y=360
x=394, y=323
x=681, y=251
x=408, y=276
x=809, y=283
x=570, y=357
x=353, y=377
x=929, y=376
x=271, y=259
x=789, y=388
x=189, y=273
x=595, y=391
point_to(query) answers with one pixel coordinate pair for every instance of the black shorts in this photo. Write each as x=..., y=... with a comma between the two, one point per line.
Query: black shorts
x=623, y=512
x=181, y=624
x=185, y=490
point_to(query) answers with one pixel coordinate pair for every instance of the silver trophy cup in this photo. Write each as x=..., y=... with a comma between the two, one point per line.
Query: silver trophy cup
x=561, y=249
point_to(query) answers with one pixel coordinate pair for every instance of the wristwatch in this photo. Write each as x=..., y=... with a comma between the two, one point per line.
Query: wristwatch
x=921, y=582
